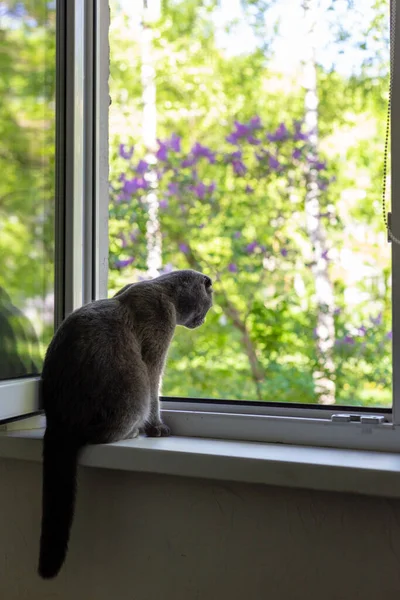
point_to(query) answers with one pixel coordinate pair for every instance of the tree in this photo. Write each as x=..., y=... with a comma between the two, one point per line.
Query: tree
x=195, y=185
x=324, y=294
x=149, y=128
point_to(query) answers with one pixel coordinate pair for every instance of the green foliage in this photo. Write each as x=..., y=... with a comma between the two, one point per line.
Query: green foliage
x=258, y=343
x=27, y=161
x=247, y=229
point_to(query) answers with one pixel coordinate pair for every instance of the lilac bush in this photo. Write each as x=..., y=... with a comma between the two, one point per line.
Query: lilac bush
x=236, y=210
x=200, y=186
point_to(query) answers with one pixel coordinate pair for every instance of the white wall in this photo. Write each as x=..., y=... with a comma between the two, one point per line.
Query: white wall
x=158, y=538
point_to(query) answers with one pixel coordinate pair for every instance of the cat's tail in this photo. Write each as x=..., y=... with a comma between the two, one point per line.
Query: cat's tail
x=60, y=460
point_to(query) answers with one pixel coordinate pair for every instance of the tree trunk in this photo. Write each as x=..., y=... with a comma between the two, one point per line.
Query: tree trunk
x=149, y=132
x=229, y=308
x=240, y=324
x=324, y=294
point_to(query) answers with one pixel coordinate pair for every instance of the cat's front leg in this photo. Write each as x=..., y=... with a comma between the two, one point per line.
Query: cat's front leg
x=154, y=427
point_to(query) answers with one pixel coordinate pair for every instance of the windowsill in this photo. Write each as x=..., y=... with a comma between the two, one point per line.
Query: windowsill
x=354, y=471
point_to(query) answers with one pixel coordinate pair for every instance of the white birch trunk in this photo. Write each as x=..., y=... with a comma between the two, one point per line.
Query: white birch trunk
x=149, y=132
x=325, y=331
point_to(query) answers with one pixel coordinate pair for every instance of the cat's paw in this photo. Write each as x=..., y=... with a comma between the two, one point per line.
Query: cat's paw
x=157, y=430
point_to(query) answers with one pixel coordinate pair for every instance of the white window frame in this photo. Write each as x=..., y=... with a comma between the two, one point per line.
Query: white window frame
x=85, y=258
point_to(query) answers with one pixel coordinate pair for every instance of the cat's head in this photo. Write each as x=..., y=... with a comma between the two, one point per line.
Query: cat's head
x=192, y=293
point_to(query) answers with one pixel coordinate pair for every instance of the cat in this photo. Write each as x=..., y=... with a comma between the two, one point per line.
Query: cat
x=100, y=383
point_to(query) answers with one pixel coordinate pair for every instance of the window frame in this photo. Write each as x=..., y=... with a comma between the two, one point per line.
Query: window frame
x=283, y=425
x=82, y=255
x=395, y=214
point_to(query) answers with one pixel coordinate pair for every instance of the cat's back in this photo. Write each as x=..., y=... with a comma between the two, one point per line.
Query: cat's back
x=93, y=371
x=91, y=337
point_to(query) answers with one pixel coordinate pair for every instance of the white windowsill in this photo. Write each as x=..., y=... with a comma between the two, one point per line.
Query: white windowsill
x=362, y=472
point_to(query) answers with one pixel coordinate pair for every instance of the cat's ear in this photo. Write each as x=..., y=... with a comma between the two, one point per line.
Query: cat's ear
x=207, y=282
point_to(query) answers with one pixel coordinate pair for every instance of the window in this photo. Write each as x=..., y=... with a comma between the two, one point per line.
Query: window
x=261, y=167
x=27, y=194
x=246, y=141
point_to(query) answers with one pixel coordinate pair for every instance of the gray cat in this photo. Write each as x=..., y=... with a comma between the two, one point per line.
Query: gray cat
x=100, y=383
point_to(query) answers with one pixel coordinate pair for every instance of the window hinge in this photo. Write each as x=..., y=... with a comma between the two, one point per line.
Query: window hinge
x=365, y=419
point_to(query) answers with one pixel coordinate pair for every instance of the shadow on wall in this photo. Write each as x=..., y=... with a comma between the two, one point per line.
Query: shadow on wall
x=17, y=341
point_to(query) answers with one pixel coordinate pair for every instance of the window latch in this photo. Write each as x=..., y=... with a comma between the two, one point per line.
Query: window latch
x=353, y=418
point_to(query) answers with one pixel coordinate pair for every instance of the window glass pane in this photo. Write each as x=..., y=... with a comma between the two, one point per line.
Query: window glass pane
x=27, y=149
x=247, y=142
